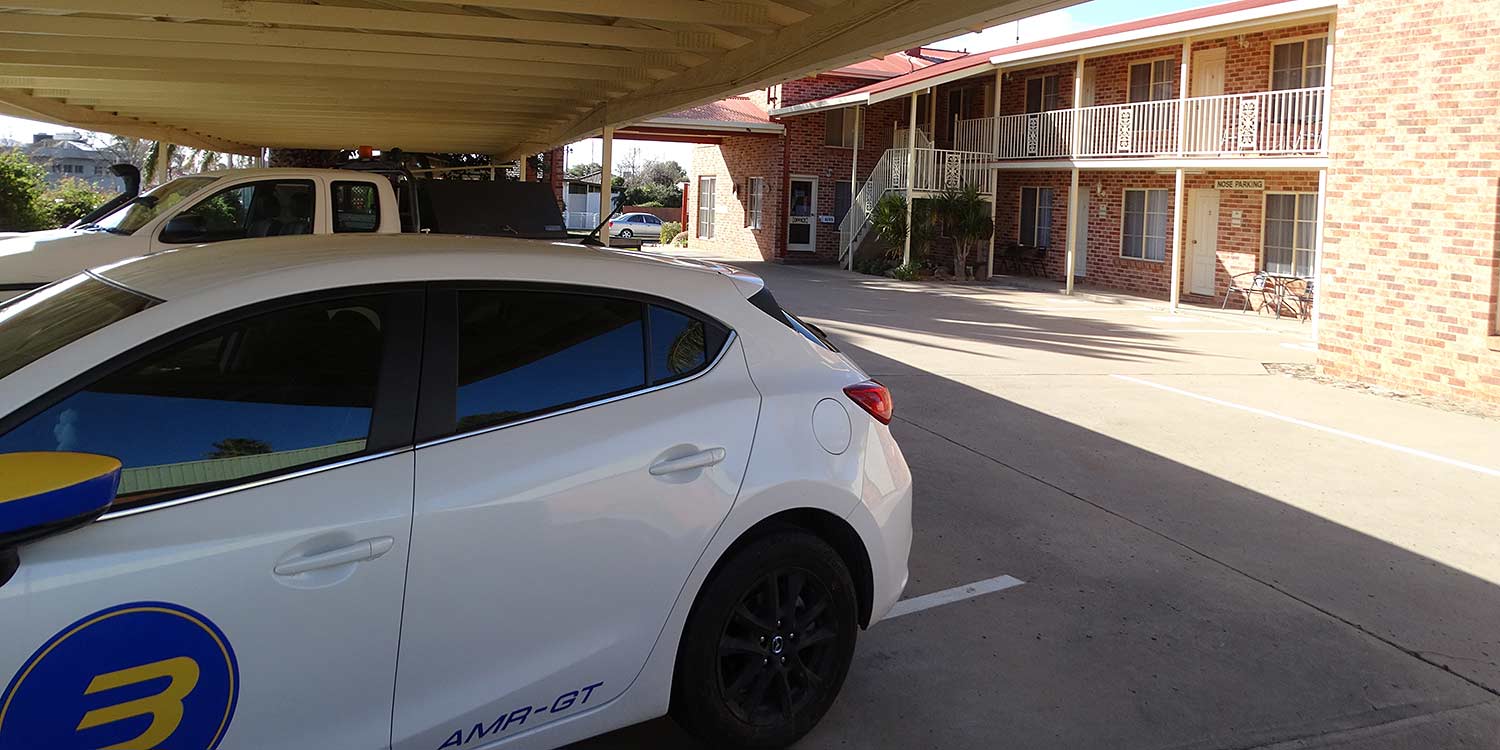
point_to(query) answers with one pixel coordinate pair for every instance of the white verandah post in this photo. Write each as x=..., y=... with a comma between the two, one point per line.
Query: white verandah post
x=1318, y=285
x=1177, y=240
x=606, y=189
x=853, y=183
x=1075, y=121
x=911, y=168
x=995, y=154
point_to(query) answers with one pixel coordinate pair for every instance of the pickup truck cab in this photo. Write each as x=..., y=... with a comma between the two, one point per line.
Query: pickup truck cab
x=212, y=207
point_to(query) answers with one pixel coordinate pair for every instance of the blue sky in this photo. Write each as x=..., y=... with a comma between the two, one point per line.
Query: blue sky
x=1075, y=18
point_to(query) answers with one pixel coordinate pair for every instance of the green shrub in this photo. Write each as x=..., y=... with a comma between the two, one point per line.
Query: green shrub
x=21, y=186
x=680, y=240
x=670, y=230
x=69, y=201
x=909, y=272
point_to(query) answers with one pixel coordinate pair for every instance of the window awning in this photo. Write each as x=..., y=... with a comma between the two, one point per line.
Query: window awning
x=504, y=77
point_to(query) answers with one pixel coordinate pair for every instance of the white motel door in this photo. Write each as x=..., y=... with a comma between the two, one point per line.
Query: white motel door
x=802, y=215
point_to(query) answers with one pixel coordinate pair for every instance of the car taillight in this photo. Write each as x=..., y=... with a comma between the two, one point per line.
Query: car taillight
x=873, y=398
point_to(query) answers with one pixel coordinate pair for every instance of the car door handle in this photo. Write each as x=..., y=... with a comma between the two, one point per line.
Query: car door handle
x=360, y=551
x=697, y=460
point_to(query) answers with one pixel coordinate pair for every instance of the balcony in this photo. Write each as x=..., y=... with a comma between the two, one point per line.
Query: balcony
x=1270, y=123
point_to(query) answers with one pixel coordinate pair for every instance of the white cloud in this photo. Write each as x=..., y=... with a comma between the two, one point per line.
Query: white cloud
x=1043, y=26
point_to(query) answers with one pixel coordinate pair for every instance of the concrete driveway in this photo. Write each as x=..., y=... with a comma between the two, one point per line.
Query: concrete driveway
x=1213, y=556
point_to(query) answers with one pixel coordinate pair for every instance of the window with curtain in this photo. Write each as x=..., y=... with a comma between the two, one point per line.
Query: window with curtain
x=705, y=208
x=755, y=198
x=839, y=129
x=1041, y=93
x=1153, y=81
x=1036, y=217
x=1289, y=237
x=1145, y=233
x=1298, y=65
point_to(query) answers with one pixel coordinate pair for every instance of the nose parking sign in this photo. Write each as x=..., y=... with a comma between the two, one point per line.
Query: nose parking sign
x=140, y=676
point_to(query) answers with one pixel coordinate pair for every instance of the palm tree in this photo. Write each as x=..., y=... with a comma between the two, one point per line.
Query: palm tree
x=969, y=219
x=888, y=218
x=158, y=164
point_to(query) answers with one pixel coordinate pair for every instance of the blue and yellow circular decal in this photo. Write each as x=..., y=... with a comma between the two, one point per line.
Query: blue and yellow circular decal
x=140, y=676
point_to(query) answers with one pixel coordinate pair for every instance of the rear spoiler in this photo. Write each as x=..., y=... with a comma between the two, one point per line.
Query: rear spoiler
x=132, y=178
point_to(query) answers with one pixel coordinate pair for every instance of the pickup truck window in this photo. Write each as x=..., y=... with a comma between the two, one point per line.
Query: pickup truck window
x=144, y=209
x=269, y=208
x=356, y=207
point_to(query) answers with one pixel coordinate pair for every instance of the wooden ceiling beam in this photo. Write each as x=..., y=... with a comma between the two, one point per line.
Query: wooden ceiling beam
x=257, y=12
x=21, y=104
x=400, y=62
x=263, y=36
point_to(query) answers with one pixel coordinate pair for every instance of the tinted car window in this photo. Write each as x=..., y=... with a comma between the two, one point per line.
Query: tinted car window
x=681, y=344
x=39, y=323
x=286, y=389
x=521, y=353
x=141, y=211
x=356, y=207
x=272, y=208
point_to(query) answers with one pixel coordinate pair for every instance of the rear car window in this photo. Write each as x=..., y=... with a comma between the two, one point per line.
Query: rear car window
x=523, y=353
x=356, y=207
x=41, y=322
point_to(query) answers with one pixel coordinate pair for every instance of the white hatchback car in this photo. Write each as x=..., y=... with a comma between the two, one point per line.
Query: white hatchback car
x=426, y=493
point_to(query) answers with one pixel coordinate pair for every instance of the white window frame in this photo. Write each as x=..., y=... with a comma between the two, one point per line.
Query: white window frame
x=755, y=202
x=1310, y=253
x=847, y=134
x=1056, y=93
x=705, y=229
x=1169, y=79
x=1302, y=66
x=1036, y=217
x=1145, y=222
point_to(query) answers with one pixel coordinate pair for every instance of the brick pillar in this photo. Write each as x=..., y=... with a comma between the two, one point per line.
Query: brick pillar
x=555, y=173
x=1410, y=249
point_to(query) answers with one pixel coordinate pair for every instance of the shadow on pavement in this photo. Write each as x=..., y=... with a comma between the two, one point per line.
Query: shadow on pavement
x=1164, y=606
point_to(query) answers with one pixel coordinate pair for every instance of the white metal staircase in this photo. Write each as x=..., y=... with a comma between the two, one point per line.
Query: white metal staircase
x=934, y=170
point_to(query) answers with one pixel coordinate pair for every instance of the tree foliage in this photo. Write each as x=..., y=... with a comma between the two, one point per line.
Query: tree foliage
x=70, y=201
x=21, y=186
x=969, y=219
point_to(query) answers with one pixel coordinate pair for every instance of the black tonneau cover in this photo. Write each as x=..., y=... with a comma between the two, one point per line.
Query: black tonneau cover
x=491, y=208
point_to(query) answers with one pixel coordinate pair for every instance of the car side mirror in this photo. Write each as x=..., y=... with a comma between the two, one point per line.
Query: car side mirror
x=47, y=493
x=184, y=228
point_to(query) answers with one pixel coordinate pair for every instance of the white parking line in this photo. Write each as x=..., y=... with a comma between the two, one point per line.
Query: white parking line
x=955, y=594
x=1320, y=428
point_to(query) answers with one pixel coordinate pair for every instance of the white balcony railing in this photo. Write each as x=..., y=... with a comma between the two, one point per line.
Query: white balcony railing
x=1264, y=123
x=937, y=170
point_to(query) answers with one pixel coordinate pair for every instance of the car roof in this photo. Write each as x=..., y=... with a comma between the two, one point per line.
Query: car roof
x=275, y=172
x=309, y=262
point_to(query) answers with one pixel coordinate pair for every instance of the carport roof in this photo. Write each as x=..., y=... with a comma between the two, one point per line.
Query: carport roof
x=505, y=77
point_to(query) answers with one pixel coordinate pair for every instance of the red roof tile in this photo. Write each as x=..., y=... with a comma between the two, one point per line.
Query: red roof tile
x=982, y=58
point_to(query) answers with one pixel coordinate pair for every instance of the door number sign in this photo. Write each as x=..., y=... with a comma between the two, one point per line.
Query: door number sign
x=140, y=676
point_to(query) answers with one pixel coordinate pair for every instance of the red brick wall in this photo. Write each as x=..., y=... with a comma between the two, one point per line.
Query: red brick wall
x=732, y=164
x=1238, y=240
x=1412, y=246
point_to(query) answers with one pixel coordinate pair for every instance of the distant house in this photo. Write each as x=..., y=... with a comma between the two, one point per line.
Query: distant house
x=67, y=156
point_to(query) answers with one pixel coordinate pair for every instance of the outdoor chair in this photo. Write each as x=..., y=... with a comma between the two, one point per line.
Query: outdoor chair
x=1304, y=299
x=1247, y=284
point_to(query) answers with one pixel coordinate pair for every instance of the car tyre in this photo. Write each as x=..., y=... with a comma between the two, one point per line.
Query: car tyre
x=767, y=645
x=626, y=233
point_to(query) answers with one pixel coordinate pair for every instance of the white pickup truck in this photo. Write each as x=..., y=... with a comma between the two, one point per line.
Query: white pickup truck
x=247, y=203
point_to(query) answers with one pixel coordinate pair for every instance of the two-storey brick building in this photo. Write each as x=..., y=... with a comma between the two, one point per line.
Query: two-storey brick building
x=1179, y=155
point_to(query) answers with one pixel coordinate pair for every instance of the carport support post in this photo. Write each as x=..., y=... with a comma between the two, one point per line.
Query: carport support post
x=911, y=167
x=853, y=181
x=1177, y=240
x=606, y=180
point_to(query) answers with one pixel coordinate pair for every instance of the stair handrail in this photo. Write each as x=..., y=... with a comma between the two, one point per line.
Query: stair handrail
x=857, y=218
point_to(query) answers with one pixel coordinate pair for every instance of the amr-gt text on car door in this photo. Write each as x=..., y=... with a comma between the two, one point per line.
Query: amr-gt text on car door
x=245, y=589
x=581, y=449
